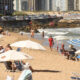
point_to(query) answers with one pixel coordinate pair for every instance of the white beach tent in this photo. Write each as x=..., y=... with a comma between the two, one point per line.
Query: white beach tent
x=28, y=44
x=13, y=55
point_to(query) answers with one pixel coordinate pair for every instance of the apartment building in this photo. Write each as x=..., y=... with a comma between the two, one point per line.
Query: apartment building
x=6, y=7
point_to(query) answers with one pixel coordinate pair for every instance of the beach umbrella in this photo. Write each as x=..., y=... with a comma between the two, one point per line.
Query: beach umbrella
x=75, y=42
x=19, y=44
x=34, y=45
x=77, y=52
x=28, y=44
x=13, y=55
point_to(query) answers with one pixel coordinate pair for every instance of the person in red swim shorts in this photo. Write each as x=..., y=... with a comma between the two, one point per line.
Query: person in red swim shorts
x=51, y=42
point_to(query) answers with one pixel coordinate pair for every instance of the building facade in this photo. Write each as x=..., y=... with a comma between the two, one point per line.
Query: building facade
x=46, y=5
x=76, y=5
x=73, y=5
x=6, y=7
x=21, y=5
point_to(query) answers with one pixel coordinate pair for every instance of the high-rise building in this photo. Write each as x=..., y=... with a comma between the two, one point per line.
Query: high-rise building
x=40, y=5
x=46, y=5
x=21, y=5
x=79, y=5
x=6, y=7
x=76, y=5
x=70, y=5
x=61, y=5
x=54, y=5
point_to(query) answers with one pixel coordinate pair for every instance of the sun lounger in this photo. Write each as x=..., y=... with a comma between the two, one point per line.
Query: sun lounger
x=26, y=75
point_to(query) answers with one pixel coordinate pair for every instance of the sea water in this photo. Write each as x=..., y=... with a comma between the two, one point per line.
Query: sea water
x=60, y=35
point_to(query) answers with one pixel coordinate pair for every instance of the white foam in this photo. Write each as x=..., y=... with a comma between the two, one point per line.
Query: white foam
x=58, y=33
x=61, y=37
x=46, y=36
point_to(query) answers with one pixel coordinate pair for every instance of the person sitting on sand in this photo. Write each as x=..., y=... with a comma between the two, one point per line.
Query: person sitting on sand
x=27, y=66
x=8, y=47
x=20, y=65
x=71, y=51
x=10, y=66
x=62, y=49
x=51, y=42
x=1, y=49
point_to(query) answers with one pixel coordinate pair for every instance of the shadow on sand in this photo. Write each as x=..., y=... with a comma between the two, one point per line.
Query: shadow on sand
x=53, y=71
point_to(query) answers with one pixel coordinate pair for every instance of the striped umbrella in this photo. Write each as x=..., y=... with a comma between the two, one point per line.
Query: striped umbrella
x=75, y=42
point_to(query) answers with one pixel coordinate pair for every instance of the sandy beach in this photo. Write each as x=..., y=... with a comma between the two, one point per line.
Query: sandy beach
x=48, y=65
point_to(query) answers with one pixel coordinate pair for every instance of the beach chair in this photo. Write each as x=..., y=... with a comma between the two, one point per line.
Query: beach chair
x=76, y=76
x=26, y=75
x=18, y=65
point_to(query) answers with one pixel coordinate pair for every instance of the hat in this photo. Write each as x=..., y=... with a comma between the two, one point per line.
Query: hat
x=70, y=46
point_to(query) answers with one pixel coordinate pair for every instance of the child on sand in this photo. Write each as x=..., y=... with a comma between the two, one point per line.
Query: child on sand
x=32, y=33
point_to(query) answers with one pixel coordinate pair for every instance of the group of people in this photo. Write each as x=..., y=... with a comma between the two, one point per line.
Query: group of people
x=17, y=65
x=70, y=53
x=7, y=47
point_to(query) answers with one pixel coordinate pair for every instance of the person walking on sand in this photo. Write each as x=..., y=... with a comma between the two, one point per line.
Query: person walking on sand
x=51, y=42
x=32, y=33
x=43, y=34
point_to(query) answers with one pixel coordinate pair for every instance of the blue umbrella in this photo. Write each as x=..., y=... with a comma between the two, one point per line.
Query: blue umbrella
x=75, y=42
x=78, y=56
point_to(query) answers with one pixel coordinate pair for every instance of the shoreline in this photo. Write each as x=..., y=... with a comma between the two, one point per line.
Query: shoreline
x=49, y=65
